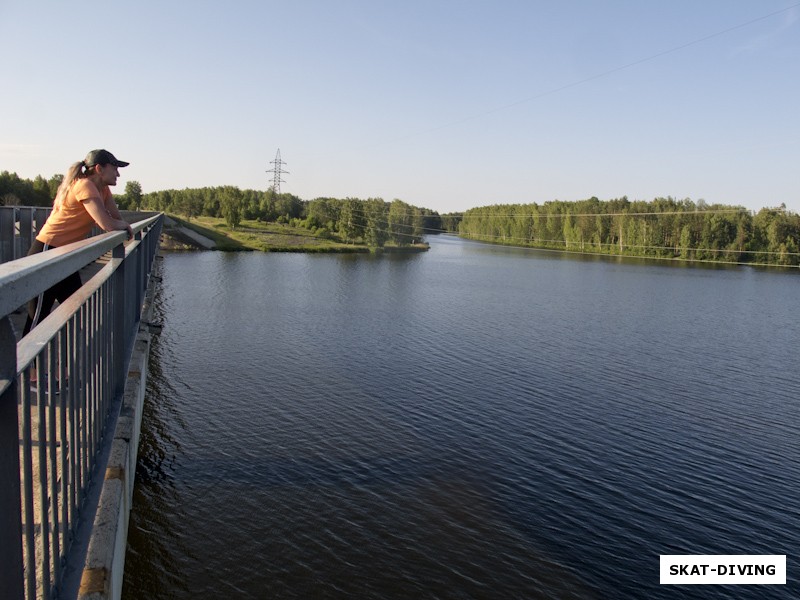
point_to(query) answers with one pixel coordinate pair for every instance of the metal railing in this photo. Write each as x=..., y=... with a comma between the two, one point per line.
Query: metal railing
x=18, y=224
x=60, y=391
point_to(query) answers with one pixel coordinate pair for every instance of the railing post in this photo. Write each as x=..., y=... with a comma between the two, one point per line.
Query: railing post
x=7, y=238
x=11, y=573
x=26, y=232
x=119, y=335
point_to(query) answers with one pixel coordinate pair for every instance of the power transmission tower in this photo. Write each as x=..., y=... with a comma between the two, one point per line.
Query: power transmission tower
x=277, y=171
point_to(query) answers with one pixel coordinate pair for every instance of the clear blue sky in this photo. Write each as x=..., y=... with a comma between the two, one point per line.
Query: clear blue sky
x=445, y=104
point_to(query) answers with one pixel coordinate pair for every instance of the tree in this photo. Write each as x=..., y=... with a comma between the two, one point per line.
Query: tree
x=352, y=220
x=288, y=206
x=401, y=223
x=451, y=221
x=188, y=204
x=231, y=208
x=133, y=194
x=376, y=232
x=53, y=184
x=15, y=190
x=268, y=202
x=322, y=212
x=42, y=190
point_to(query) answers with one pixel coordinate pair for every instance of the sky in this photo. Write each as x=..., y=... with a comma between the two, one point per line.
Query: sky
x=444, y=104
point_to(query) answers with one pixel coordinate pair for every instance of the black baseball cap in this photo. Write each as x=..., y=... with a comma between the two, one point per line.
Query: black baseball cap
x=103, y=157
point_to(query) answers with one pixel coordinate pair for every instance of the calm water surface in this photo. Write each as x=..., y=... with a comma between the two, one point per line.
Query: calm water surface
x=472, y=422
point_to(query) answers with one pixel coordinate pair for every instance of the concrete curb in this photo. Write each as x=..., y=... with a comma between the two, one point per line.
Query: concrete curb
x=103, y=570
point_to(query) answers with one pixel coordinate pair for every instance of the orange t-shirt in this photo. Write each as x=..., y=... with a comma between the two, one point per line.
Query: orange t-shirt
x=72, y=222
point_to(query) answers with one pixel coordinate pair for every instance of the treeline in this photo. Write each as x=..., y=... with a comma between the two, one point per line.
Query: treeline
x=25, y=192
x=664, y=228
x=373, y=222
x=15, y=191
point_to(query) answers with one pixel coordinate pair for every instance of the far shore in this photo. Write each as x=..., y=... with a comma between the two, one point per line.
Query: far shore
x=208, y=233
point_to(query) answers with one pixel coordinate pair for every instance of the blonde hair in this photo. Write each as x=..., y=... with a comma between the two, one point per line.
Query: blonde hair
x=76, y=171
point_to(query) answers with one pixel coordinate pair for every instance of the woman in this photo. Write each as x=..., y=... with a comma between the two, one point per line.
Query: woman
x=82, y=201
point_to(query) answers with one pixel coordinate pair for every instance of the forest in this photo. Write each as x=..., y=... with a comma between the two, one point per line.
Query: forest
x=664, y=228
x=372, y=222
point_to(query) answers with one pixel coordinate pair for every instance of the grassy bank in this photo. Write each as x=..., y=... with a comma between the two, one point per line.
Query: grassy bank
x=273, y=237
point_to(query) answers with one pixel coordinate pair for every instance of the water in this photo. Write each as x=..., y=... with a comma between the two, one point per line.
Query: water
x=472, y=422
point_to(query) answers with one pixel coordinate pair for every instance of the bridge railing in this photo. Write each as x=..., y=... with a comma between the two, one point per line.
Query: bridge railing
x=60, y=391
x=18, y=226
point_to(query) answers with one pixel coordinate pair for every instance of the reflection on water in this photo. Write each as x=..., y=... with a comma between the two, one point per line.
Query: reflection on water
x=473, y=422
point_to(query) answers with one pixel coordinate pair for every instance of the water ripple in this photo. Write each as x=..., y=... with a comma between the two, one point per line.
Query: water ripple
x=465, y=424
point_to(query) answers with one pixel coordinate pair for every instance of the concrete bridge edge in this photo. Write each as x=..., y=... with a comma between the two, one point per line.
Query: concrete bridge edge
x=103, y=570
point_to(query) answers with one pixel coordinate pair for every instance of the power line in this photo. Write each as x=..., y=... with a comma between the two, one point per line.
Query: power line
x=596, y=76
x=680, y=259
x=277, y=171
x=522, y=244
x=392, y=226
x=526, y=242
x=616, y=214
x=475, y=213
x=486, y=237
x=391, y=229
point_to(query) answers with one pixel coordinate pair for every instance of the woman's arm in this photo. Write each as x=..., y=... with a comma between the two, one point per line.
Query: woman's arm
x=103, y=217
x=113, y=209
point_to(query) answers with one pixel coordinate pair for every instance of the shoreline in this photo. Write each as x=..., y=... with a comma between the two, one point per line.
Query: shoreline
x=179, y=235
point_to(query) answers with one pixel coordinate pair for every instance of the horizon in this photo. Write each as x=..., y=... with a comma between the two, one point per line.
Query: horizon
x=699, y=201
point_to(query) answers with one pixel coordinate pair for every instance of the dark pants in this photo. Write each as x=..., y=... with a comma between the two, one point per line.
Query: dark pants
x=44, y=303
